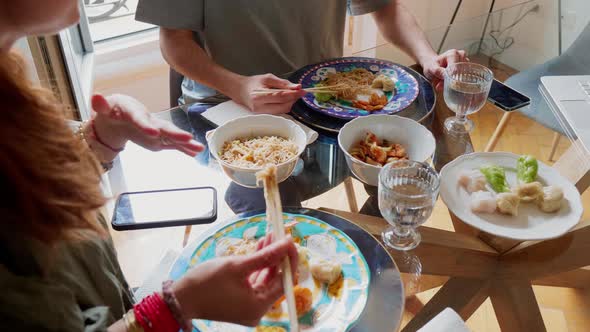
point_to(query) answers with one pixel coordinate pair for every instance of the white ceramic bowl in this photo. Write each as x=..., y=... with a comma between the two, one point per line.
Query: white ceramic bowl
x=256, y=125
x=418, y=141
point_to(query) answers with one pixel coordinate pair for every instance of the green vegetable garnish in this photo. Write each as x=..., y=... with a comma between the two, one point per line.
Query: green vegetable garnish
x=496, y=177
x=322, y=97
x=527, y=168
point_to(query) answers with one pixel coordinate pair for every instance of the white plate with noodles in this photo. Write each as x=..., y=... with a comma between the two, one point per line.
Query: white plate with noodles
x=530, y=221
x=359, y=87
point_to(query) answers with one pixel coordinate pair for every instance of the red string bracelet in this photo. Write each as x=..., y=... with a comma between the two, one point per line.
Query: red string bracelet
x=99, y=140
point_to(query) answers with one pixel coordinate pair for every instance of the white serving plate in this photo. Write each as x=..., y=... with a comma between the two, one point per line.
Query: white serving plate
x=531, y=223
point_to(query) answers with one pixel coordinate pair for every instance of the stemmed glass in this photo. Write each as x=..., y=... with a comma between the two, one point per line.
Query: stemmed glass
x=407, y=193
x=467, y=86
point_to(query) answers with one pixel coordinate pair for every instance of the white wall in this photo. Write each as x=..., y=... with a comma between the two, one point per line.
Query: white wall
x=535, y=36
x=434, y=17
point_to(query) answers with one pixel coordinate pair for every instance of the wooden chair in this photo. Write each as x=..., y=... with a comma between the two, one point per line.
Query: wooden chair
x=574, y=61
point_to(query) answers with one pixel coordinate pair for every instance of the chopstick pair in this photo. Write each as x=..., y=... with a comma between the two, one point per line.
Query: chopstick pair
x=269, y=91
x=320, y=89
x=274, y=216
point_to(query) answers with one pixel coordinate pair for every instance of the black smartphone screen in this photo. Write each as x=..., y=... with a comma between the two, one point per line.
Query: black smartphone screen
x=507, y=98
x=163, y=208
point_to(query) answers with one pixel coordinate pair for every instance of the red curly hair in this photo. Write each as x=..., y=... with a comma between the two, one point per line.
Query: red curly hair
x=49, y=180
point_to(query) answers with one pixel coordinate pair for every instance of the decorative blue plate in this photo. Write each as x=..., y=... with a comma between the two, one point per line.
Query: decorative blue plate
x=406, y=86
x=357, y=304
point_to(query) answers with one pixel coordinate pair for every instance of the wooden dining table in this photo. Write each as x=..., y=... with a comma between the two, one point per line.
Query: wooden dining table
x=472, y=266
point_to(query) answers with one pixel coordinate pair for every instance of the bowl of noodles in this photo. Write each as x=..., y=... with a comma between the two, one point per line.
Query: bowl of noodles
x=246, y=145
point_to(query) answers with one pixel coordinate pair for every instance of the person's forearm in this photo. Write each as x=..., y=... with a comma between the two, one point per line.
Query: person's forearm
x=188, y=58
x=398, y=26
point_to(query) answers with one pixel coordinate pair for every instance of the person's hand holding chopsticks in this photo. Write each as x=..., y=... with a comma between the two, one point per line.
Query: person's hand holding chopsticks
x=236, y=289
x=270, y=103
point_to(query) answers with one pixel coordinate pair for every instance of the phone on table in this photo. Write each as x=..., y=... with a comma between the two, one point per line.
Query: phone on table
x=506, y=97
x=165, y=208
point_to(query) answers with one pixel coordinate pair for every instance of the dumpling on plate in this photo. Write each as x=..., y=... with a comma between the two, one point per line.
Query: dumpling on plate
x=383, y=82
x=507, y=203
x=303, y=262
x=325, y=271
x=550, y=199
x=472, y=180
x=529, y=192
x=483, y=202
x=302, y=254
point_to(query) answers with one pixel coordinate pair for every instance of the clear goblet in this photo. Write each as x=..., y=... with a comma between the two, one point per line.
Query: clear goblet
x=407, y=193
x=466, y=90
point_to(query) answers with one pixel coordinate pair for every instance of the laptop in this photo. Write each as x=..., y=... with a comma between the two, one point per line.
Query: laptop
x=569, y=98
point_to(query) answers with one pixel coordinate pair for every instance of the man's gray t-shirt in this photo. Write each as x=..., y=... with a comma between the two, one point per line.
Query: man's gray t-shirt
x=253, y=37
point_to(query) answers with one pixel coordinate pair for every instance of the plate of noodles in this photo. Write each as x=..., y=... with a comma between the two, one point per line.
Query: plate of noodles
x=339, y=266
x=354, y=87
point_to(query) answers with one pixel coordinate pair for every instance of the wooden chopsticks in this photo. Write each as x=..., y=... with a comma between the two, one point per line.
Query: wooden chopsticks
x=319, y=89
x=269, y=91
x=274, y=216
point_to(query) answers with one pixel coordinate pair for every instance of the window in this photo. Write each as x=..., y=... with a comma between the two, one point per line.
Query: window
x=112, y=18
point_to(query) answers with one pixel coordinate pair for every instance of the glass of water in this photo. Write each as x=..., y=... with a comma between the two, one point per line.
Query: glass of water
x=466, y=90
x=407, y=193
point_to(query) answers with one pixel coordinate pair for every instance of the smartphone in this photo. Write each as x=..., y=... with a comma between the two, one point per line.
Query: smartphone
x=506, y=97
x=165, y=208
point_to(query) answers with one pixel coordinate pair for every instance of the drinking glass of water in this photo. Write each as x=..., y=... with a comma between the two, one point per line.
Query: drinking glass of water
x=407, y=193
x=467, y=86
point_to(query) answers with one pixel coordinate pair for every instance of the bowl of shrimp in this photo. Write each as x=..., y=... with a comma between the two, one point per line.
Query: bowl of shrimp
x=370, y=142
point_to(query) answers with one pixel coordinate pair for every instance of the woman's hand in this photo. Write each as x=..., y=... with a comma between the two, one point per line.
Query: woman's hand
x=237, y=289
x=434, y=68
x=121, y=118
x=271, y=103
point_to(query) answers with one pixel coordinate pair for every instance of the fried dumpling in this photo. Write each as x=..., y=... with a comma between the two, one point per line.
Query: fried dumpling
x=472, y=181
x=550, y=200
x=483, y=202
x=507, y=203
x=529, y=192
x=383, y=82
x=325, y=271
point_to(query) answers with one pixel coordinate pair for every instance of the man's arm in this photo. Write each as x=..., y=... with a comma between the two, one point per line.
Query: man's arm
x=188, y=58
x=399, y=27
